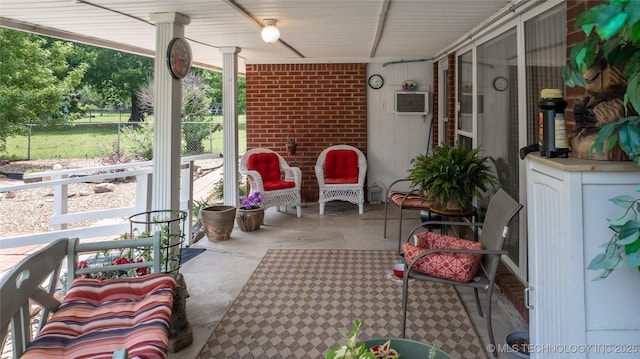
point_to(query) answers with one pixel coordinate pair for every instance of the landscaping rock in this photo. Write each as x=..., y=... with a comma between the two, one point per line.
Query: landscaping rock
x=104, y=187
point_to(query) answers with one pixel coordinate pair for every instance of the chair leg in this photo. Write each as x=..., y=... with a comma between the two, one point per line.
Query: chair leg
x=360, y=208
x=475, y=291
x=489, y=326
x=385, y=218
x=405, y=299
x=322, y=208
x=400, y=234
x=299, y=211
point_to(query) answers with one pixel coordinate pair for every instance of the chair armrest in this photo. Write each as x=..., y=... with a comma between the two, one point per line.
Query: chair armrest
x=395, y=183
x=320, y=174
x=452, y=250
x=255, y=179
x=362, y=173
x=293, y=174
x=426, y=224
x=406, y=193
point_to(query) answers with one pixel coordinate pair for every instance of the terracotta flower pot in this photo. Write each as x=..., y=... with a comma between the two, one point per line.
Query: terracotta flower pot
x=218, y=222
x=249, y=220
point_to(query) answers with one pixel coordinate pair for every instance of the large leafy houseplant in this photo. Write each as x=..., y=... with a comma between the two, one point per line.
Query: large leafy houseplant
x=613, y=29
x=451, y=175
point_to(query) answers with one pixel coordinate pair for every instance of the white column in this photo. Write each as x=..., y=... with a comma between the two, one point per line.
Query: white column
x=167, y=103
x=230, y=124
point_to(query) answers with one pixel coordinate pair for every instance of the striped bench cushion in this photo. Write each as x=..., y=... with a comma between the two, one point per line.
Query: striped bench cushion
x=412, y=201
x=98, y=317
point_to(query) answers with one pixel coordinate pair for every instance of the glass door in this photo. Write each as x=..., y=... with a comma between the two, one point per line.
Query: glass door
x=497, y=124
x=464, y=128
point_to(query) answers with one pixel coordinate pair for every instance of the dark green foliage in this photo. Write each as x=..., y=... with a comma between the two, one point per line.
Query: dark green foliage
x=452, y=173
x=617, y=26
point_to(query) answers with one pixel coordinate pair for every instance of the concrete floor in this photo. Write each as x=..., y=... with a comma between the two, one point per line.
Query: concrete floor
x=216, y=276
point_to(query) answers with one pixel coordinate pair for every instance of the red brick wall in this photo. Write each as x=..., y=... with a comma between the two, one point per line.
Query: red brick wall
x=324, y=104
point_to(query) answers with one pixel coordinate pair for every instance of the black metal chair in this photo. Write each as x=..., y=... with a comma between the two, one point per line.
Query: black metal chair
x=493, y=236
x=410, y=200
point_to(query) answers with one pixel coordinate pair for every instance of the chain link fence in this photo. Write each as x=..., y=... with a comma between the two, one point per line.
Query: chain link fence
x=104, y=139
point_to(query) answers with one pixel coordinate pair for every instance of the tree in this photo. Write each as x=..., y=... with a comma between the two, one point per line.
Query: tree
x=36, y=81
x=116, y=76
x=196, y=101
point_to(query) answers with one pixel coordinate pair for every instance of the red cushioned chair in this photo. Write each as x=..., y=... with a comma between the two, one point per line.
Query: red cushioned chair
x=268, y=173
x=440, y=258
x=341, y=170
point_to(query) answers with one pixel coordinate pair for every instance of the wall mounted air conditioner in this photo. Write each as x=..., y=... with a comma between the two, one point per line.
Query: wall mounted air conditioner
x=411, y=103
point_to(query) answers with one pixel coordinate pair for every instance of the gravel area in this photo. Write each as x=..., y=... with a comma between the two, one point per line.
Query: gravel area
x=28, y=211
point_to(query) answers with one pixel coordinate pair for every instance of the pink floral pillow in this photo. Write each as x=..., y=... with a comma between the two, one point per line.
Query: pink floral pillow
x=460, y=267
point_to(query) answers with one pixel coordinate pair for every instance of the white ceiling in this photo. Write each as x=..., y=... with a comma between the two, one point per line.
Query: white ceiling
x=311, y=30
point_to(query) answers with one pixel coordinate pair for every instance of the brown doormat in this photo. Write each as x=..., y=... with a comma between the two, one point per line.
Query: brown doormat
x=297, y=303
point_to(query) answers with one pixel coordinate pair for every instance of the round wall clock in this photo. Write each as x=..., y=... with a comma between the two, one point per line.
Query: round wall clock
x=500, y=83
x=179, y=57
x=376, y=81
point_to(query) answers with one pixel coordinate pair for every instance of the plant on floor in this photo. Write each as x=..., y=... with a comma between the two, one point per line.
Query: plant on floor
x=451, y=175
x=352, y=349
x=617, y=26
x=357, y=350
x=252, y=201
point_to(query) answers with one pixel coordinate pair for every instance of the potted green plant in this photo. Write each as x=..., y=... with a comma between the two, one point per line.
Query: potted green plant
x=383, y=348
x=451, y=176
x=613, y=29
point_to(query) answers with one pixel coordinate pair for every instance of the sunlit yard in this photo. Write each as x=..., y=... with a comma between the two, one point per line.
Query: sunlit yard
x=94, y=139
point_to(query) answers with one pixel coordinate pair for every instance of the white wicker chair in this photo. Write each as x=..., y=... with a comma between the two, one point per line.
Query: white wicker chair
x=349, y=186
x=266, y=178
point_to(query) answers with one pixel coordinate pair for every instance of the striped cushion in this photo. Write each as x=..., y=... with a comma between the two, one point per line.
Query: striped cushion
x=98, y=317
x=412, y=201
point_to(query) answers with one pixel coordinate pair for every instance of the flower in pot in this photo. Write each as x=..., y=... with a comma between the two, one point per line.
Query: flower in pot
x=250, y=214
x=291, y=147
x=452, y=176
x=383, y=348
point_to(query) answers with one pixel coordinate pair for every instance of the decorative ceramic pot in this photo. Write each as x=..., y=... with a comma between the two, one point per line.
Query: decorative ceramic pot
x=518, y=344
x=218, y=222
x=408, y=349
x=249, y=220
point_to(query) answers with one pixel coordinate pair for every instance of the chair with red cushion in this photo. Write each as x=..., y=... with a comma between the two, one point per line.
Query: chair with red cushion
x=268, y=173
x=341, y=170
x=445, y=259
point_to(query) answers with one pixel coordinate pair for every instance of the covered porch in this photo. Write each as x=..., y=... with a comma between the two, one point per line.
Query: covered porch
x=216, y=276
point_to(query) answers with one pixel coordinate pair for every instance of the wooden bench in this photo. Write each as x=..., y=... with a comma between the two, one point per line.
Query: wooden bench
x=113, y=318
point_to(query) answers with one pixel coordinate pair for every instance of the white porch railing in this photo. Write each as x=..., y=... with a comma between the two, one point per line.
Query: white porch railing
x=60, y=219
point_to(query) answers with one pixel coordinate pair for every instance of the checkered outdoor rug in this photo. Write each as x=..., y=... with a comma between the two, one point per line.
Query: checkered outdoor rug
x=298, y=303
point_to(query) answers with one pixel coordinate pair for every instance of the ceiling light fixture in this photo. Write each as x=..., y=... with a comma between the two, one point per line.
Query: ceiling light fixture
x=270, y=32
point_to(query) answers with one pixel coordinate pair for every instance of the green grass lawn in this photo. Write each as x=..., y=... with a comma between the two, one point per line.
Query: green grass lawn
x=92, y=140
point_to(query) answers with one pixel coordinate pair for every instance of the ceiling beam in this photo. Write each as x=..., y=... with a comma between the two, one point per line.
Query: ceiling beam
x=381, y=19
x=239, y=8
x=70, y=36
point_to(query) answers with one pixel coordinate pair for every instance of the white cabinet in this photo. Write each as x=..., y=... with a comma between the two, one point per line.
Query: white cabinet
x=572, y=316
